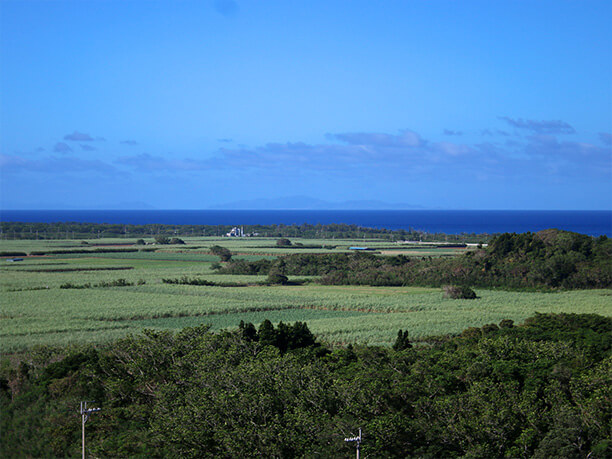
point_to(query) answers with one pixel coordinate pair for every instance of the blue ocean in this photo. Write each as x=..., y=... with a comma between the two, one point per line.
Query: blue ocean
x=593, y=223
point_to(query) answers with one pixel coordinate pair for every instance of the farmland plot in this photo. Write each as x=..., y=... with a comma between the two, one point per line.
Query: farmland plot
x=35, y=309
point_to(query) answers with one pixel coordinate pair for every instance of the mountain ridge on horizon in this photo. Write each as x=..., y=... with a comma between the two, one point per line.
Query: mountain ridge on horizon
x=308, y=203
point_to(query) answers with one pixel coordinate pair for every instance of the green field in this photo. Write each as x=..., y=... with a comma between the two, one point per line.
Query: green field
x=35, y=310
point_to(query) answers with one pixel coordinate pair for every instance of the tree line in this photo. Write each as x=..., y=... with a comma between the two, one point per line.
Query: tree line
x=549, y=259
x=77, y=230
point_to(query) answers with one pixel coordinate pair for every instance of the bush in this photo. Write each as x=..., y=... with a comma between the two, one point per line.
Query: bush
x=275, y=278
x=162, y=239
x=67, y=285
x=283, y=242
x=459, y=292
x=402, y=341
x=222, y=252
x=187, y=281
x=176, y=240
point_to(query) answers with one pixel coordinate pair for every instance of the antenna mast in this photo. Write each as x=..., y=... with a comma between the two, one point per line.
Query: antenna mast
x=357, y=440
x=85, y=412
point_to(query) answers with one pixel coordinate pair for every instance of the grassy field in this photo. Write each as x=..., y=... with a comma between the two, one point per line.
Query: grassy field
x=36, y=311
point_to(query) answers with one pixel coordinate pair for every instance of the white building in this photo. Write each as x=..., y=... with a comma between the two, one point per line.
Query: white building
x=236, y=232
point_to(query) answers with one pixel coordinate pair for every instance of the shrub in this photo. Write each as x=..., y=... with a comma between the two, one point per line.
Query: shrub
x=114, y=283
x=187, y=281
x=222, y=252
x=402, y=341
x=275, y=278
x=67, y=285
x=457, y=292
x=162, y=239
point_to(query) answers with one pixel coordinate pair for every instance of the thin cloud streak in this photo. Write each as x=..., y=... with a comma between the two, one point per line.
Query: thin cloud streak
x=148, y=163
x=540, y=127
x=61, y=147
x=79, y=137
x=53, y=165
x=451, y=132
x=606, y=138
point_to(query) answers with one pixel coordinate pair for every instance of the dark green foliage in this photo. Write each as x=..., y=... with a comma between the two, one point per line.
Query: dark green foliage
x=267, y=333
x=65, y=230
x=402, y=341
x=253, y=268
x=276, y=278
x=140, y=242
x=103, y=284
x=161, y=239
x=283, y=242
x=176, y=240
x=284, y=337
x=185, y=280
x=299, y=336
x=65, y=367
x=70, y=285
x=188, y=281
x=249, y=332
x=541, y=389
x=588, y=331
x=222, y=252
x=457, y=292
x=549, y=259
x=115, y=283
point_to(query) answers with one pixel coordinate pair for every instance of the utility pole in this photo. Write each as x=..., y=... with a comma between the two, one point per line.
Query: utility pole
x=357, y=440
x=85, y=412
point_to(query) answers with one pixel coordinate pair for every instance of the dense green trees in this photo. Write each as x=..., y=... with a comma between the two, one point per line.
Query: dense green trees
x=548, y=259
x=161, y=239
x=541, y=389
x=66, y=230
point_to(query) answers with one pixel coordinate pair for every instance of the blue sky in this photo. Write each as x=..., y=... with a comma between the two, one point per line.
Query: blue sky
x=194, y=104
